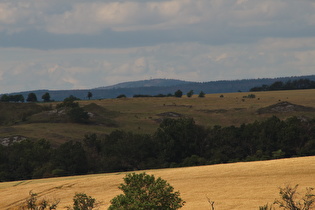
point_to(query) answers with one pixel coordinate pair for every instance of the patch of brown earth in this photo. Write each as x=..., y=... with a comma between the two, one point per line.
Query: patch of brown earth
x=170, y=114
x=285, y=107
x=167, y=115
x=219, y=110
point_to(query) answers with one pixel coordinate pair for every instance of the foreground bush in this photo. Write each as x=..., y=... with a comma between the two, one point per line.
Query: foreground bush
x=144, y=192
x=83, y=202
x=289, y=200
x=80, y=202
x=32, y=203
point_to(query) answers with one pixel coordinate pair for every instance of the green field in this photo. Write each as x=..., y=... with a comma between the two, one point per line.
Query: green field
x=143, y=115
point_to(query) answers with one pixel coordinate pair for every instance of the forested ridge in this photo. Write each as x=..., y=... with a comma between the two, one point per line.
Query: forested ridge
x=150, y=87
x=288, y=85
x=176, y=143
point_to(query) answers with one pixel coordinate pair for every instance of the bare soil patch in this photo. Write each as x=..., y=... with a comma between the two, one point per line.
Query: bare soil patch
x=285, y=107
x=170, y=114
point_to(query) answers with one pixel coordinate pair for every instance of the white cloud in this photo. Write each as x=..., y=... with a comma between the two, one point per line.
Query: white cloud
x=93, y=17
x=7, y=15
x=90, y=18
x=89, y=68
x=221, y=57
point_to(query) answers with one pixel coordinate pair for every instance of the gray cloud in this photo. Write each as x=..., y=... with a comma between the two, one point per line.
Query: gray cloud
x=115, y=24
x=83, y=44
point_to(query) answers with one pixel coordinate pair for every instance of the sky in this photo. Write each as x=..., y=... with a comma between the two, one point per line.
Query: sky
x=83, y=44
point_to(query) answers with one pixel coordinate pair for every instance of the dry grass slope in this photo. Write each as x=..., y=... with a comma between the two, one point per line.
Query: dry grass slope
x=232, y=186
x=143, y=114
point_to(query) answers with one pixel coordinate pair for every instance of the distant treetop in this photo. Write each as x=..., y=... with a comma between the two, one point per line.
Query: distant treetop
x=289, y=85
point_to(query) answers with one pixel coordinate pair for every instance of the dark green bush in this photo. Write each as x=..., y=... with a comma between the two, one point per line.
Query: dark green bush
x=144, y=192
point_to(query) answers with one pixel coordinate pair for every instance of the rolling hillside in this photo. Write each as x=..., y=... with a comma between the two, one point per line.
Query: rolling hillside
x=142, y=115
x=232, y=186
x=237, y=186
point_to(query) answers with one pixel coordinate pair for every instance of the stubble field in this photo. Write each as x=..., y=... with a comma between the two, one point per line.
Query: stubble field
x=238, y=186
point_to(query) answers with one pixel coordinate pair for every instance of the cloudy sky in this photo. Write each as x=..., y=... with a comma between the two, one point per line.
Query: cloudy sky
x=75, y=44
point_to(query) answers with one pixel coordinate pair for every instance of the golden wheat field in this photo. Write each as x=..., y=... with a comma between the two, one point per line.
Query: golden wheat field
x=241, y=186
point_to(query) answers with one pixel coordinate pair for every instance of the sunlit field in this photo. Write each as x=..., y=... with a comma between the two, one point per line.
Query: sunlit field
x=143, y=115
x=231, y=186
x=231, y=109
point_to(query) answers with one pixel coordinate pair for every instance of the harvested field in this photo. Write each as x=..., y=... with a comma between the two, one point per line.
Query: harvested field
x=231, y=186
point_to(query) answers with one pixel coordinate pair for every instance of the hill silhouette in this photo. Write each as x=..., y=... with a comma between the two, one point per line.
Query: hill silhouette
x=163, y=86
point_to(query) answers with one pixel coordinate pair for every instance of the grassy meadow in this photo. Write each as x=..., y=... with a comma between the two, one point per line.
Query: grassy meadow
x=231, y=186
x=143, y=115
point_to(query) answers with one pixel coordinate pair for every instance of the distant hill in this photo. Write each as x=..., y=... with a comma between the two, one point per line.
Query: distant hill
x=147, y=83
x=163, y=86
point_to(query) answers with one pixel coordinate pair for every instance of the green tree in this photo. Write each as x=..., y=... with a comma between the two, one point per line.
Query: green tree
x=201, y=94
x=68, y=102
x=89, y=95
x=178, y=139
x=190, y=93
x=71, y=98
x=20, y=98
x=178, y=93
x=121, y=96
x=70, y=157
x=78, y=115
x=144, y=192
x=46, y=97
x=12, y=98
x=125, y=151
x=31, y=97
x=82, y=202
x=5, y=98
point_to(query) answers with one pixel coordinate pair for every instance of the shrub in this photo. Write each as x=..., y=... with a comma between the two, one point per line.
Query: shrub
x=82, y=202
x=266, y=207
x=33, y=204
x=190, y=93
x=211, y=203
x=142, y=191
x=121, y=96
x=201, y=94
x=250, y=96
x=178, y=94
x=78, y=115
x=31, y=97
x=289, y=200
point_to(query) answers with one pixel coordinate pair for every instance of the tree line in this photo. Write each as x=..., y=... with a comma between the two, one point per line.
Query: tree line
x=289, y=85
x=175, y=143
x=32, y=97
x=177, y=94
